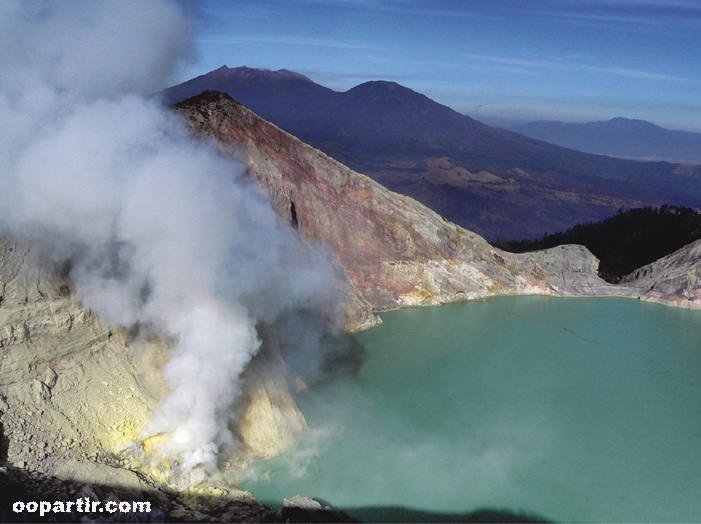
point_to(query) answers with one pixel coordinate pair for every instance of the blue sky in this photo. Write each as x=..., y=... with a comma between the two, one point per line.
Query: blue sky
x=573, y=60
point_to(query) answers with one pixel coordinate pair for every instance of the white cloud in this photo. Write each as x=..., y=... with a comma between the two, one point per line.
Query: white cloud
x=562, y=65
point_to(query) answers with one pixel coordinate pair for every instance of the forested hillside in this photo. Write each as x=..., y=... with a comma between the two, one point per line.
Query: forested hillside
x=626, y=241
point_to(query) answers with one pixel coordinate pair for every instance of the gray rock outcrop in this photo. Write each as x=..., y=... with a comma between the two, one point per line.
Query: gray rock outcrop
x=270, y=420
x=673, y=280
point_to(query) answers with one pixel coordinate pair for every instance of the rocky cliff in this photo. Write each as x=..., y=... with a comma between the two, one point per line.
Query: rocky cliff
x=395, y=251
x=673, y=280
x=73, y=393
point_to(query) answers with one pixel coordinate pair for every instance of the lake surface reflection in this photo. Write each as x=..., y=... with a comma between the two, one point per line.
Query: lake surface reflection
x=570, y=409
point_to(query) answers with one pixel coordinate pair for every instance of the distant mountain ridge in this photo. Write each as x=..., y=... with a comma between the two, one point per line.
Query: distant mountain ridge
x=620, y=137
x=376, y=109
x=283, y=97
x=386, y=130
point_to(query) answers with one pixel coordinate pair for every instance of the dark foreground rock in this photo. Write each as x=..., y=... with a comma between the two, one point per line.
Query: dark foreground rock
x=305, y=515
x=19, y=488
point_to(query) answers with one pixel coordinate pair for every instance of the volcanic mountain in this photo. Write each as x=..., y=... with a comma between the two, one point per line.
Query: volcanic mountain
x=394, y=135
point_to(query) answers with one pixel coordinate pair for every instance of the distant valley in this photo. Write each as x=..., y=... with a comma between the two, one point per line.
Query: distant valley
x=492, y=181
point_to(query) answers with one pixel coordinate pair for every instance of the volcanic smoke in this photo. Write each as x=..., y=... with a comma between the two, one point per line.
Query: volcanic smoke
x=158, y=230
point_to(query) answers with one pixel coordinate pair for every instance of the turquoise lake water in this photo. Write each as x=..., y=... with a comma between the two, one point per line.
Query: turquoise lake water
x=570, y=409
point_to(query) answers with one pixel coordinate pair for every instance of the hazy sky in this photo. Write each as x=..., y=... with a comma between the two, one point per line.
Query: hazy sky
x=578, y=60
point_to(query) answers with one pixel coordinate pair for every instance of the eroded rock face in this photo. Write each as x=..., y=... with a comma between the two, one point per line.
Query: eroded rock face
x=394, y=251
x=73, y=391
x=568, y=270
x=71, y=388
x=270, y=420
x=674, y=279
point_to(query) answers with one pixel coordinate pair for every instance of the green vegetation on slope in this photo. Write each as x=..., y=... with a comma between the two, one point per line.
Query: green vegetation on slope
x=626, y=241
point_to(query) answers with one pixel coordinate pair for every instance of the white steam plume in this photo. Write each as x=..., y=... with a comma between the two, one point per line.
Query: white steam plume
x=159, y=230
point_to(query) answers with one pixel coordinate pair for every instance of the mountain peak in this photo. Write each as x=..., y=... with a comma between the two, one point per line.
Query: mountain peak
x=630, y=122
x=381, y=86
x=252, y=75
x=383, y=83
x=385, y=92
